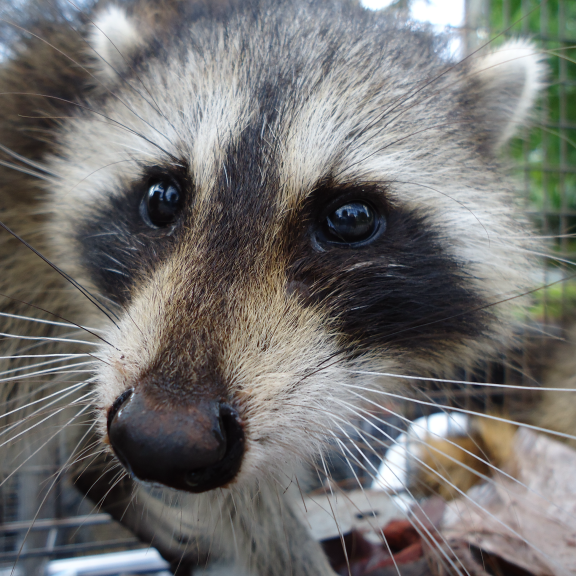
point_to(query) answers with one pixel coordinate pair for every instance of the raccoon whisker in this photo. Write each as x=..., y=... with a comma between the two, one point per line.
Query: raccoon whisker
x=114, y=122
x=553, y=257
x=94, y=77
x=301, y=493
x=85, y=454
x=65, y=356
x=38, y=364
x=472, y=501
x=472, y=55
x=101, y=234
x=96, y=171
x=33, y=393
x=416, y=132
x=114, y=271
x=333, y=359
x=48, y=339
x=361, y=434
x=111, y=302
x=455, y=409
x=155, y=106
x=333, y=514
x=220, y=498
x=120, y=475
x=39, y=344
x=423, y=442
x=343, y=493
x=50, y=322
x=393, y=441
x=540, y=330
x=554, y=51
x=41, y=504
x=28, y=171
x=67, y=277
x=462, y=204
x=177, y=567
x=538, y=236
x=74, y=455
x=54, y=370
x=421, y=529
x=45, y=117
x=94, y=456
x=60, y=429
x=419, y=526
x=404, y=137
x=480, y=308
x=27, y=161
x=110, y=466
x=57, y=408
x=400, y=101
x=88, y=452
x=115, y=260
x=141, y=152
x=559, y=134
x=42, y=411
x=385, y=444
x=377, y=529
x=448, y=381
x=234, y=537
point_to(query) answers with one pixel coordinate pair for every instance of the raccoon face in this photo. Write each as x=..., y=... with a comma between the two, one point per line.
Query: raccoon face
x=269, y=223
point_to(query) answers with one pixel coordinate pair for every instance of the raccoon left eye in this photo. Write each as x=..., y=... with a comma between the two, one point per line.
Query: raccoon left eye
x=162, y=204
x=351, y=223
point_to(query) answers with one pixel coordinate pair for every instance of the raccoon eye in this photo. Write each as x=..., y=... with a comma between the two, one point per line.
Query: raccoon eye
x=161, y=204
x=351, y=223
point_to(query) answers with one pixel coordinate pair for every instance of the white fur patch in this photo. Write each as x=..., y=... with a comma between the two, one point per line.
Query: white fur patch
x=514, y=75
x=114, y=38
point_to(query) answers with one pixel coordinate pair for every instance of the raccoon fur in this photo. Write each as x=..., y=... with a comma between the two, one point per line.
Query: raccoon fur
x=263, y=211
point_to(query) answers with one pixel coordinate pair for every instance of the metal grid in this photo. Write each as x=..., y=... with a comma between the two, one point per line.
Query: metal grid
x=545, y=160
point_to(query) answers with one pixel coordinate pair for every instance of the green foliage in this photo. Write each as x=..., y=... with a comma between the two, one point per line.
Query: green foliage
x=547, y=155
x=551, y=304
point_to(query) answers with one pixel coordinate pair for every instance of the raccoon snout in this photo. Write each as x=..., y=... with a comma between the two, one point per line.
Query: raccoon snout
x=193, y=448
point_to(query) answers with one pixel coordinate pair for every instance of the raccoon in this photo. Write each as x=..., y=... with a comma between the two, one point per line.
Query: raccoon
x=262, y=215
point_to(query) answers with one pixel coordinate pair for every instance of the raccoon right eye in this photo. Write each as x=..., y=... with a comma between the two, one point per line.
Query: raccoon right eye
x=352, y=224
x=162, y=204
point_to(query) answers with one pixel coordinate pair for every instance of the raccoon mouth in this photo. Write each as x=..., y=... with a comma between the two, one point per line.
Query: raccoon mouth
x=193, y=448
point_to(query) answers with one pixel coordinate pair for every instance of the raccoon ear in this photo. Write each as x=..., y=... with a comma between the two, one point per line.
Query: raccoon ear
x=115, y=39
x=507, y=82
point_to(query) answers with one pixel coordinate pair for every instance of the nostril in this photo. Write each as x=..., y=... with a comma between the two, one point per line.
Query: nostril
x=231, y=427
x=229, y=465
x=118, y=403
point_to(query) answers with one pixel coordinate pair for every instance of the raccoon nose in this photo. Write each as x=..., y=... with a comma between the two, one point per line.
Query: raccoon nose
x=192, y=448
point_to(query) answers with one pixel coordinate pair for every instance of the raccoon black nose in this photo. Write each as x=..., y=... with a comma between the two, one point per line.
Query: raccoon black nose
x=193, y=448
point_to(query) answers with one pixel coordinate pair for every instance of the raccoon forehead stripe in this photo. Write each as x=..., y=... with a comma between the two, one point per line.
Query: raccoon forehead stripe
x=221, y=117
